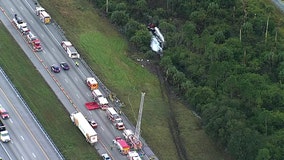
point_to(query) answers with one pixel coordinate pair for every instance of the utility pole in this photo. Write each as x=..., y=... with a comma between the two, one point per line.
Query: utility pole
x=138, y=125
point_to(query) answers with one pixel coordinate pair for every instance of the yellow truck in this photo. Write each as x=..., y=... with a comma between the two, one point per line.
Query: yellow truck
x=43, y=15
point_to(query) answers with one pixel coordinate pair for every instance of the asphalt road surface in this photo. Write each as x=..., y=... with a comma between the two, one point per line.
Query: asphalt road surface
x=69, y=86
x=28, y=140
x=279, y=4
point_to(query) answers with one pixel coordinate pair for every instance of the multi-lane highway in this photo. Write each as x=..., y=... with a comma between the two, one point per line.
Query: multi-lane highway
x=28, y=140
x=69, y=86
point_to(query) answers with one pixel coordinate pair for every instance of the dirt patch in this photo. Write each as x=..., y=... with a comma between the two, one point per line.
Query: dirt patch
x=152, y=65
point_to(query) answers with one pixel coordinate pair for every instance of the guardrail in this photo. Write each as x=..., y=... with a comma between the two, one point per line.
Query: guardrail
x=31, y=113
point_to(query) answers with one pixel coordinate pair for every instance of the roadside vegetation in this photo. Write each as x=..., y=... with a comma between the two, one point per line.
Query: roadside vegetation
x=225, y=58
x=234, y=83
x=41, y=99
x=106, y=51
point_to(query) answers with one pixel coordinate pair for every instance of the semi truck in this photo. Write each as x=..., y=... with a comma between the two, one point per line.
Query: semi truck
x=4, y=134
x=70, y=49
x=92, y=83
x=84, y=126
x=134, y=142
x=122, y=146
x=115, y=118
x=20, y=24
x=43, y=15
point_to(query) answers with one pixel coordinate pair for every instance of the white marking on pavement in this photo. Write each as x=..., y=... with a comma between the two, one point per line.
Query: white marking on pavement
x=22, y=137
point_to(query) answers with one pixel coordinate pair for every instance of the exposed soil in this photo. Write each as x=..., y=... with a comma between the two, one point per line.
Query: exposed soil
x=153, y=66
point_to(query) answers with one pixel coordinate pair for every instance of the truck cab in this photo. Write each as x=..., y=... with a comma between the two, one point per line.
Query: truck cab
x=122, y=146
x=34, y=41
x=43, y=15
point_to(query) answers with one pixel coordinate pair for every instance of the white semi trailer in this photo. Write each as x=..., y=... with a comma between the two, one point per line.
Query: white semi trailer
x=81, y=122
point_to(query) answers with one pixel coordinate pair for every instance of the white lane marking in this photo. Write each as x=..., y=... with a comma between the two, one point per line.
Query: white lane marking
x=12, y=10
x=11, y=120
x=34, y=155
x=22, y=157
x=78, y=95
x=66, y=80
x=32, y=21
x=6, y=151
x=102, y=128
x=22, y=137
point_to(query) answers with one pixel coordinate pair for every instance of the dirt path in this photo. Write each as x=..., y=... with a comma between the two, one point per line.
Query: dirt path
x=174, y=127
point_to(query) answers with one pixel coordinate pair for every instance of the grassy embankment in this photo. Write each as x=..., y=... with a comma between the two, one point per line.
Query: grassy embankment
x=106, y=52
x=42, y=101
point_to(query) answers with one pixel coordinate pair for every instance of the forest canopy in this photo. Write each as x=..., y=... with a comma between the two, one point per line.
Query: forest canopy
x=225, y=57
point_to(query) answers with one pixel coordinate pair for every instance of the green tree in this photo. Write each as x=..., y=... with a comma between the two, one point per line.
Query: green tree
x=219, y=37
x=141, y=40
x=263, y=154
x=244, y=144
x=119, y=18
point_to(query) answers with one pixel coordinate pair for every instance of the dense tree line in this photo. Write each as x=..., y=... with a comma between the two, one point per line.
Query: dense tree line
x=225, y=57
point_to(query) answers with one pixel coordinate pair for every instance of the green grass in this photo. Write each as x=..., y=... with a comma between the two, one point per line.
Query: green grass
x=106, y=52
x=41, y=99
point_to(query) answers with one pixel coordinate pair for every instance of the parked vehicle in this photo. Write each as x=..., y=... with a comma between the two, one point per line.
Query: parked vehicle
x=134, y=142
x=92, y=105
x=100, y=99
x=64, y=66
x=115, y=118
x=105, y=156
x=81, y=122
x=4, y=134
x=133, y=155
x=93, y=123
x=43, y=15
x=122, y=146
x=92, y=83
x=21, y=25
x=55, y=68
x=70, y=49
x=4, y=114
x=34, y=41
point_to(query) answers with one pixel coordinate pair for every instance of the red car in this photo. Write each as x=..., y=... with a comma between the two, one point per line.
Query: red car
x=93, y=123
x=4, y=114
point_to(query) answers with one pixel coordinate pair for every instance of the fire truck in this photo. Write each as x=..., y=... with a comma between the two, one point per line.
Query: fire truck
x=122, y=146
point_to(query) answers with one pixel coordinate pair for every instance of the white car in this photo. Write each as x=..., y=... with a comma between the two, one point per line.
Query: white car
x=106, y=156
x=4, y=136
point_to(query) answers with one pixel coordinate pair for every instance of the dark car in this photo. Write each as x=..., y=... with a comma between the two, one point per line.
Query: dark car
x=55, y=68
x=64, y=66
x=93, y=124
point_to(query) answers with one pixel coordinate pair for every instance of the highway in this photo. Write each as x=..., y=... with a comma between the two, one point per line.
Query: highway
x=28, y=140
x=69, y=86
